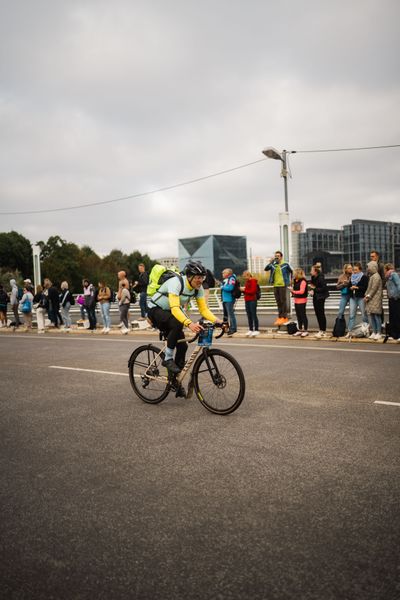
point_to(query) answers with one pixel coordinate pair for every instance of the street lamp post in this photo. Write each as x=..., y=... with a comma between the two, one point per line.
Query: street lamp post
x=283, y=217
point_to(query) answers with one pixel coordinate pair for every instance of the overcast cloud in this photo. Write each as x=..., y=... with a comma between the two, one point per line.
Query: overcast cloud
x=101, y=100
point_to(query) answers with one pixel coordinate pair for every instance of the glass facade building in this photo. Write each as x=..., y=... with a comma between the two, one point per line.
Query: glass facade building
x=362, y=236
x=321, y=245
x=216, y=252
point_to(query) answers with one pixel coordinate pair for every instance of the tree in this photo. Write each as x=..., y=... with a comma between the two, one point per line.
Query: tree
x=16, y=253
x=61, y=261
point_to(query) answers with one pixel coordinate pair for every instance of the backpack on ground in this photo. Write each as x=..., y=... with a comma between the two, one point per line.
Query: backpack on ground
x=258, y=292
x=292, y=328
x=159, y=274
x=339, y=329
x=236, y=292
x=361, y=330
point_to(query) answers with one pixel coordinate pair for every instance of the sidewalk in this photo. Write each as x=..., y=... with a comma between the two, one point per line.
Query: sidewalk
x=266, y=333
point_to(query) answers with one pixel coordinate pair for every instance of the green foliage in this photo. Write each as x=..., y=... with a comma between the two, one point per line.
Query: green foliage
x=65, y=261
x=16, y=254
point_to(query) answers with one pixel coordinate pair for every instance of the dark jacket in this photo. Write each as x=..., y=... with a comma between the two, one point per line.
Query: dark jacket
x=54, y=297
x=362, y=288
x=142, y=282
x=321, y=289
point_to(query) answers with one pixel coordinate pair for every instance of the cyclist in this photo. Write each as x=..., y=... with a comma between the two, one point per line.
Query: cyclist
x=165, y=309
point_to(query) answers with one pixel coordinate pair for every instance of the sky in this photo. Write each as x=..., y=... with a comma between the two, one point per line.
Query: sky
x=103, y=100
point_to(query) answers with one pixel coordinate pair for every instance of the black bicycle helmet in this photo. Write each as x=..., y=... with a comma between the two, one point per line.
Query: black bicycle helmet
x=194, y=267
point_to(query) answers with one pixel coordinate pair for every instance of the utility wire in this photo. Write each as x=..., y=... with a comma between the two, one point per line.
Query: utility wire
x=189, y=182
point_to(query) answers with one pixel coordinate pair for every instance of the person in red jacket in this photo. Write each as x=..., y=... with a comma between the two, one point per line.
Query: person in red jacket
x=250, y=301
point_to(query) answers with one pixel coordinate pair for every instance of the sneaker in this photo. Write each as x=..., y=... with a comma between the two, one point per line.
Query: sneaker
x=321, y=334
x=348, y=336
x=284, y=321
x=304, y=333
x=106, y=330
x=171, y=366
x=121, y=325
x=256, y=333
x=124, y=330
x=297, y=334
x=249, y=334
x=378, y=336
x=103, y=330
x=372, y=336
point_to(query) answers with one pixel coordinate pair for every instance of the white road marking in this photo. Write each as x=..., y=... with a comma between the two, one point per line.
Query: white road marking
x=89, y=370
x=388, y=403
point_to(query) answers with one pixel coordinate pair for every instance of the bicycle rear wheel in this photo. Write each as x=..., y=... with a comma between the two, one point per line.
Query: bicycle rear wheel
x=218, y=381
x=146, y=374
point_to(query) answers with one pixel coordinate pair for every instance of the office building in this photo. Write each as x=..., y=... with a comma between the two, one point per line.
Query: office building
x=362, y=236
x=321, y=245
x=216, y=252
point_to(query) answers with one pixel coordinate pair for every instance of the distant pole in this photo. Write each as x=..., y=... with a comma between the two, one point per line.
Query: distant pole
x=37, y=277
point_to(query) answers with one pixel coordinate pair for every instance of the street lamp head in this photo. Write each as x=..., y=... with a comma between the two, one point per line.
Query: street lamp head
x=272, y=153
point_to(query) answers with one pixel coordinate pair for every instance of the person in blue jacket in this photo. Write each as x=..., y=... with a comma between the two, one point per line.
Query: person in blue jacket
x=228, y=301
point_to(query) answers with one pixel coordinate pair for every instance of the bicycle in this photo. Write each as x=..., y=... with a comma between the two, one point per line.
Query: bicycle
x=216, y=377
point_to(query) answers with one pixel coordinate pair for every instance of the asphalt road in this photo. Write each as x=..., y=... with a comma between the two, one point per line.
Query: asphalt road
x=296, y=495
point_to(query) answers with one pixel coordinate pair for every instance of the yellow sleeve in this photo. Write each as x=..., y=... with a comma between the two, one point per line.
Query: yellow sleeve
x=205, y=311
x=176, y=310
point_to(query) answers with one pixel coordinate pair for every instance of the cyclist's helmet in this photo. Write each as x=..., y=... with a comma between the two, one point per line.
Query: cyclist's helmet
x=194, y=267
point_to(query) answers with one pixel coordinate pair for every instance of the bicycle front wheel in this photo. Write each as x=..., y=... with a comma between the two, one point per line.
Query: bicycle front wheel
x=146, y=374
x=218, y=381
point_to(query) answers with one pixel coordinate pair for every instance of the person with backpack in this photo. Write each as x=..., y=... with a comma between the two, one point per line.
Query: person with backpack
x=140, y=286
x=15, y=297
x=250, y=290
x=229, y=296
x=26, y=305
x=393, y=292
x=280, y=278
x=165, y=309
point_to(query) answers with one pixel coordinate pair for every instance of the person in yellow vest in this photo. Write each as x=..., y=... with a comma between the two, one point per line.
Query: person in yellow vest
x=280, y=277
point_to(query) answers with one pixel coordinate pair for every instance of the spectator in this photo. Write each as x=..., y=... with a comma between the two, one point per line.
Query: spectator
x=320, y=293
x=373, y=300
x=14, y=302
x=343, y=284
x=228, y=301
x=123, y=303
x=80, y=300
x=25, y=306
x=374, y=256
x=393, y=292
x=3, y=306
x=209, y=282
x=40, y=303
x=121, y=279
x=54, y=303
x=90, y=294
x=280, y=278
x=104, y=298
x=357, y=289
x=250, y=302
x=66, y=300
x=300, y=292
x=140, y=287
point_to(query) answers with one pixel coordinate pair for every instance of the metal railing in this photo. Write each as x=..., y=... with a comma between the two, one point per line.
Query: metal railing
x=265, y=305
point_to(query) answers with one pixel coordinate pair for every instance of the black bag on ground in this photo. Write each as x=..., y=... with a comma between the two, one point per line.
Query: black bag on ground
x=292, y=328
x=339, y=329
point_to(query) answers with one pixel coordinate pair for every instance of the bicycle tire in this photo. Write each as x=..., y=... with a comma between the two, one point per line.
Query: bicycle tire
x=219, y=382
x=151, y=391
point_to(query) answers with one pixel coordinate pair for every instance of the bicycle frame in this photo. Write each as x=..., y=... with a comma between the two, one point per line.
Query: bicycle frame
x=179, y=378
